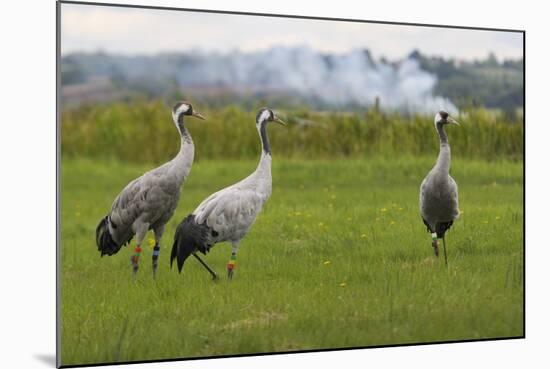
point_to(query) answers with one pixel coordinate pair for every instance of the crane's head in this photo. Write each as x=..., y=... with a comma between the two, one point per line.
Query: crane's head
x=183, y=108
x=266, y=115
x=442, y=117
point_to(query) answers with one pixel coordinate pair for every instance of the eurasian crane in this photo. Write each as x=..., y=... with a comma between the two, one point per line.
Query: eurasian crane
x=228, y=214
x=149, y=201
x=438, y=191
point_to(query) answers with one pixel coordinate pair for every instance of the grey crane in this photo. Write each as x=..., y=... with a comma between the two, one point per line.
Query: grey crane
x=149, y=201
x=228, y=214
x=438, y=191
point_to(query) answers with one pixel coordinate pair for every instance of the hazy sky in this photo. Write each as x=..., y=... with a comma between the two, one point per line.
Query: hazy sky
x=144, y=31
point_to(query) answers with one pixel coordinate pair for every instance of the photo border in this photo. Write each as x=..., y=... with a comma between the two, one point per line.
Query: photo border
x=196, y=10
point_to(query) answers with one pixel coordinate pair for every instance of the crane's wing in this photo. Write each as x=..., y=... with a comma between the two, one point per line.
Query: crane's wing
x=422, y=199
x=230, y=212
x=149, y=196
x=127, y=207
x=453, y=187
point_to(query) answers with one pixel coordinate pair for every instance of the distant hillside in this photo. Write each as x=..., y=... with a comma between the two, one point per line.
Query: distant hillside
x=295, y=76
x=480, y=83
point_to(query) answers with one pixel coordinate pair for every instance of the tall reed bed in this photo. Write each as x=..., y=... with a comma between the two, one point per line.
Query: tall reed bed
x=143, y=131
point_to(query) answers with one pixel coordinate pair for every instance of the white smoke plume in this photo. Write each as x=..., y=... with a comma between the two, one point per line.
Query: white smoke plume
x=353, y=78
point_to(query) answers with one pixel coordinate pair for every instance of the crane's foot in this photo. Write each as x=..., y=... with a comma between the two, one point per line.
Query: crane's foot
x=156, y=253
x=230, y=269
x=134, y=259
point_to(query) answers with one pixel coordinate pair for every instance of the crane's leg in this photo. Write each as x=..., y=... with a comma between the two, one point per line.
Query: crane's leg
x=213, y=273
x=140, y=229
x=156, y=250
x=434, y=244
x=445, y=250
x=232, y=261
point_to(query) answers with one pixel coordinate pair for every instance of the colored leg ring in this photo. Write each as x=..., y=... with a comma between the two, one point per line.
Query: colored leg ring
x=156, y=253
x=135, y=258
x=231, y=264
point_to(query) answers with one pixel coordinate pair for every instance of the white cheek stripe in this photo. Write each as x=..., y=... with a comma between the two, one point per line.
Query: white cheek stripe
x=183, y=108
x=265, y=114
x=437, y=119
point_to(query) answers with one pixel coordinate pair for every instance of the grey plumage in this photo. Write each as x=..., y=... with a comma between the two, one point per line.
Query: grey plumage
x=439, y=191
x=228, y=214
x=149, y=201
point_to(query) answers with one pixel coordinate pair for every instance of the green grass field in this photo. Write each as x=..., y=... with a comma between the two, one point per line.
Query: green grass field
x=338, y=258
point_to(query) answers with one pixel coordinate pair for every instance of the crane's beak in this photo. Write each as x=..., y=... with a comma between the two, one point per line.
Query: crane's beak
x=452, y=121
x=276, y=119
x=198, y=115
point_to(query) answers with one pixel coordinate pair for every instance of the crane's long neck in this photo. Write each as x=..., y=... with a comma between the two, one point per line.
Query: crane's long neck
x=263, y=136
x=444, y=158
x=181, y=164
x=264, y=166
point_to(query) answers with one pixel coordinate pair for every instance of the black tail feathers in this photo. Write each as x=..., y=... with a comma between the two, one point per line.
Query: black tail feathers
x=190, y=237
x=443, y=227
x=104, y=240
x=440, y=228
